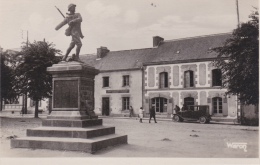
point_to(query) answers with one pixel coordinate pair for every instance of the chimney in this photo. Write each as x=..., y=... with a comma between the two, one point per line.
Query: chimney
x=157, y=40
x=102, y=52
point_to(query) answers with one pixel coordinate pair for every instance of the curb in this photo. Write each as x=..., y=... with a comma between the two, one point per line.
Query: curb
x=43, y=116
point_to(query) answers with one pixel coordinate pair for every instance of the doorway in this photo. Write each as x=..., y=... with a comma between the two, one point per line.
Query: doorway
x=105, y=106
x=217, y=105
x=189, y=101
x=160, y=104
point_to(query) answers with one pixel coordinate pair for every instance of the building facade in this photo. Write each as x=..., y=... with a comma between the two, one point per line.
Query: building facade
x=182, y=72
x=171, y=73
x=116, y=91
x=196, y=83
x=119, y=84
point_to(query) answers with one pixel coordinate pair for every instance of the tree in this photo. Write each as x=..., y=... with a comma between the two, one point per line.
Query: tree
x=238, y=60
x=32, y=72
x=7, y=78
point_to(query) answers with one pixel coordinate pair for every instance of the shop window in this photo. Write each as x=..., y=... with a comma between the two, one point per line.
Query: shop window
x=163, y=80
x=188, y=79
x=125, y=80
x=105, y=81
x=217, y=105
x=160, y=104
x=125, y=103
x=216, y=77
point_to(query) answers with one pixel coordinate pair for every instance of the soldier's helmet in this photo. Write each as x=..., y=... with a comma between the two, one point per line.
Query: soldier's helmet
x=71, y=5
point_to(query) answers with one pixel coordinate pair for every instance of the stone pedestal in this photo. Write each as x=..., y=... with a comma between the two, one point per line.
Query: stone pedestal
x=73, y=91
x=72, y=124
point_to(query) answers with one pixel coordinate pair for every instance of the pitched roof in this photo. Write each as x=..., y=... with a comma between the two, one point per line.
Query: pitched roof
x=195, y=48
x=119, y=60
x=189, y=48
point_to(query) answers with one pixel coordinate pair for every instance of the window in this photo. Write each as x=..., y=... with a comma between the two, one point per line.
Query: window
x=160, y=104
x=188, y=79
x=125, y=103
x=217, y=105
x=105, y=81
x=163, y=80
x=189, y=101
x=216, y=77
x=126, y=80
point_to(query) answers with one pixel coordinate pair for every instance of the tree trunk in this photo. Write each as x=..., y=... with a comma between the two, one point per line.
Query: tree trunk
x=36, y=109
x=1, y=103
x=25, y=103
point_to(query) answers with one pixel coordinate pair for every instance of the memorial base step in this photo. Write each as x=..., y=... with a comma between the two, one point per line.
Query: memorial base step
x=71, y=123
x=72, y=135
x=69, y=144
x=70, y=132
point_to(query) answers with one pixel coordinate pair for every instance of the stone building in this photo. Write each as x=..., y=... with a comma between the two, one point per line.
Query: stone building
x=181, y=72
x=119, y=84
x=170, y=73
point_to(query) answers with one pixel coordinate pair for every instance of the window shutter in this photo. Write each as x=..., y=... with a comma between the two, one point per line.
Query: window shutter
x=187, y=79
x=162, y=80
x=166, y=80
x=191, y=79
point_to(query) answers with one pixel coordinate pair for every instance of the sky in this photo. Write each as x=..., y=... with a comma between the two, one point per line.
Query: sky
x=118, y=24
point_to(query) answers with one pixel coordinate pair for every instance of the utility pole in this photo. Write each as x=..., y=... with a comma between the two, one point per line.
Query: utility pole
x=238, y=22
x=25, y=98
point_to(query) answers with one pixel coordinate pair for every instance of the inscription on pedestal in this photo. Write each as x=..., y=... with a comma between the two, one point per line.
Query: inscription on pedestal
x=65, y=94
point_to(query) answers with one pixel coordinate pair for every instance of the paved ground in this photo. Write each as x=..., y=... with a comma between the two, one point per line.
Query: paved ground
x=163, y=139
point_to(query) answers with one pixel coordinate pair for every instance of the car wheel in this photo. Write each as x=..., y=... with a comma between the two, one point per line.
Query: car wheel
x=176, y=118
x=203, y=120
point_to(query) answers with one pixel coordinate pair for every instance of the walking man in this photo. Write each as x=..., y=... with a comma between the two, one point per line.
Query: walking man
x=74, y=21
x=152, y=115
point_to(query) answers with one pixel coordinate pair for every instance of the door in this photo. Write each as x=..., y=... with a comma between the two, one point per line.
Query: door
x=105, y=106
x=189, y=101
x=160, y=104
x=217, y=105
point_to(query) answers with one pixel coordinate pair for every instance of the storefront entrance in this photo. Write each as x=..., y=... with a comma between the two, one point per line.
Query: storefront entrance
x=105, y=106
x=160, y=104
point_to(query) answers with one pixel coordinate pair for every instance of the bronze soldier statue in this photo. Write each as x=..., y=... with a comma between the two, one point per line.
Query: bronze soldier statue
x=74, y=30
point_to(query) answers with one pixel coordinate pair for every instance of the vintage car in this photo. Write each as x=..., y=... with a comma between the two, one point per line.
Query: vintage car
x=193, y=113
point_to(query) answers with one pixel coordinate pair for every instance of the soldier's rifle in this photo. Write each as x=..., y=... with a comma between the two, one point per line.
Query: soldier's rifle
x=60, y=11
x=68, y=30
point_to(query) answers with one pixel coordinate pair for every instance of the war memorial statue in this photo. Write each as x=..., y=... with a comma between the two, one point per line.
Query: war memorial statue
x=72, y=124
x=74, y=30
